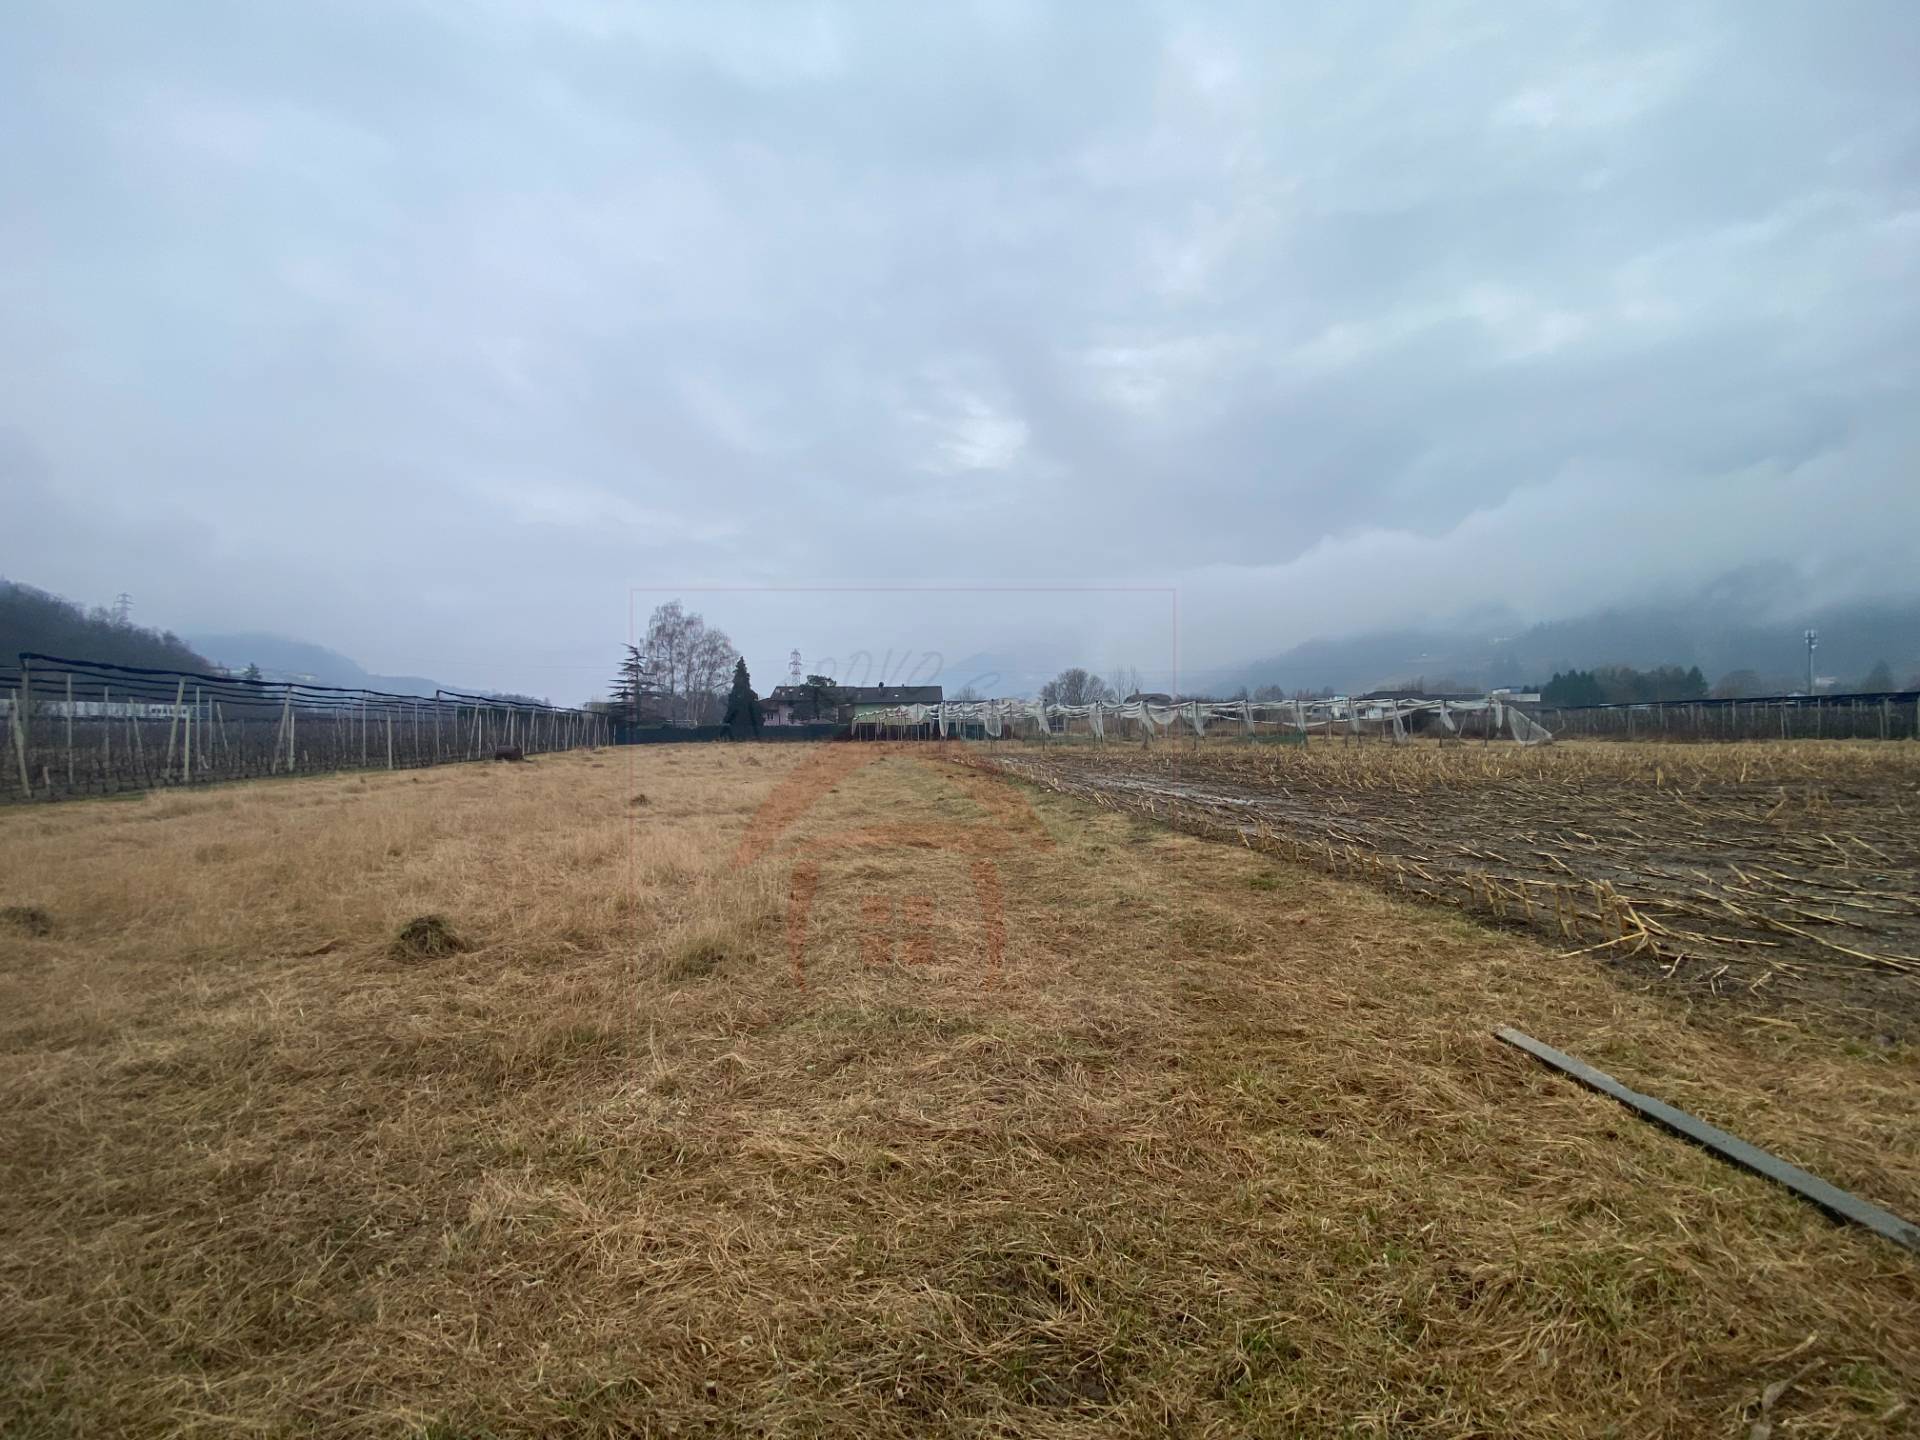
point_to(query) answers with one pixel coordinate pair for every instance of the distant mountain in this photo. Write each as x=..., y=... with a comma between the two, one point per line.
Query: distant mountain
x=1716, y=630
x=281, y=658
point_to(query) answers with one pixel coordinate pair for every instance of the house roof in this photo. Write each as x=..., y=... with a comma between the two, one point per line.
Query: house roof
x=892, y=694
x=861, y=695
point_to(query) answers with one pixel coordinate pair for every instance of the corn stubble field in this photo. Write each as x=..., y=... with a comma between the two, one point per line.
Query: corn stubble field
x=516, y=1100
x=1790, y=871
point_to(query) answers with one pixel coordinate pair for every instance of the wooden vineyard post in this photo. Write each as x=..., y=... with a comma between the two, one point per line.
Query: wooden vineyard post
x=70, y=732
x=23, y=713
x=173, y=727
x=389, y=740
x=106, y=736
x=280, y=735
x=20, y=737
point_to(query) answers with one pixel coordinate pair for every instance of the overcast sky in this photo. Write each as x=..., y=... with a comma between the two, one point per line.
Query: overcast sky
x=436, y=331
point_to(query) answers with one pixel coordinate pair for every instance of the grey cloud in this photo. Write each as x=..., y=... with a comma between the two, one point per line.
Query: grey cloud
x=574, y=296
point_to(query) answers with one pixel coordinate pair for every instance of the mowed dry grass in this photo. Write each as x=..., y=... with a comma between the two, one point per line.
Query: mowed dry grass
x=1223, y=1147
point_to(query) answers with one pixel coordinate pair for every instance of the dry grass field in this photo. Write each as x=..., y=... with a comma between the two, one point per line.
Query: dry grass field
x=1049, y=1120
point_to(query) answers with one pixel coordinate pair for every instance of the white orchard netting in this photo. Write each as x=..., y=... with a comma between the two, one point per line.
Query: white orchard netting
x=1394, y=719
x=1525, y=728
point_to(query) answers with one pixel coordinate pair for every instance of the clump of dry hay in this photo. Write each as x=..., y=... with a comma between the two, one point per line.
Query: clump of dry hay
x=720, y=924
x=30, y=919
x=426, y=937
x=696, y=956
x=640, y=799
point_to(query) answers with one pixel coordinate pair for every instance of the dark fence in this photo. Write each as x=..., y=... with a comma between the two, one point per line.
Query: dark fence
x=691, y=734
x=1894, y=715
x=82, y=727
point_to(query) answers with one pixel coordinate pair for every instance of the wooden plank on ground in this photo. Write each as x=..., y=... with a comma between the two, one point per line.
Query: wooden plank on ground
x=1833, y=1200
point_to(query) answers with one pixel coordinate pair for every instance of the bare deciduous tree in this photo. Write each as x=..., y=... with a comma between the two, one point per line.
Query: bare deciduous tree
x=1075, y=687
x=666, y=642
x=711, y=658
x=691, y=661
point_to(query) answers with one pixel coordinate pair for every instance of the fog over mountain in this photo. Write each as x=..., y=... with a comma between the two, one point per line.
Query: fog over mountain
x=1715, y=632
x=280, y=658
x=451, y=335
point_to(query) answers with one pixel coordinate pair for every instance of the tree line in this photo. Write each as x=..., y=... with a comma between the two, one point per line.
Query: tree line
x=1623, y=685
x=677, y=673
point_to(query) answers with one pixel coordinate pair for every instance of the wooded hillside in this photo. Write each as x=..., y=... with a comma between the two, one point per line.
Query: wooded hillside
x=32, y=619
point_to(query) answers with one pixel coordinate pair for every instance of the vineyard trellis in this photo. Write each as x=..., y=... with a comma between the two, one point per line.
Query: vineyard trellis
x=86, y=727
x=1393, y=719
x=1890, y=716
